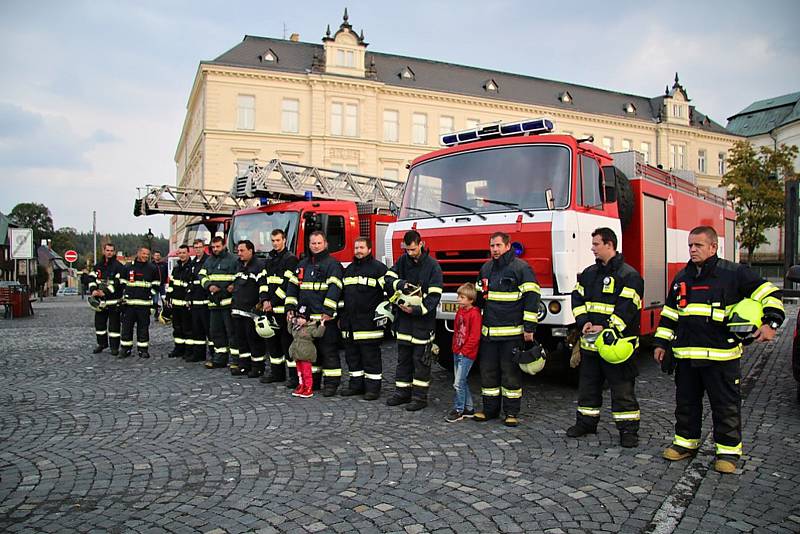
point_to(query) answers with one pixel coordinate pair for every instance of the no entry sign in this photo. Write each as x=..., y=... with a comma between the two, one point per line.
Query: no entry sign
x=71, y=256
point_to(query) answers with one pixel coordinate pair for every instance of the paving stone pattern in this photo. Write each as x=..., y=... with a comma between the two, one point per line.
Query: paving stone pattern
x=94, y=444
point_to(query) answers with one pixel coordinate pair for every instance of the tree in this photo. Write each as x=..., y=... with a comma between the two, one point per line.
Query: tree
x=755, y=183
x=64, y=239
x=35, y=216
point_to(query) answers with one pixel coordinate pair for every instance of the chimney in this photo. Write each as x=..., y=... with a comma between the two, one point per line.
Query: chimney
x=295, y=37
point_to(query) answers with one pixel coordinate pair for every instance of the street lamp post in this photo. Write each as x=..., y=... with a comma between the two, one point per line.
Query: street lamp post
x=150, y=237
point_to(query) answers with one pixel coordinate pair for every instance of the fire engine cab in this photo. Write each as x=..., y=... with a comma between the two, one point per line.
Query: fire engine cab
x=549, y=192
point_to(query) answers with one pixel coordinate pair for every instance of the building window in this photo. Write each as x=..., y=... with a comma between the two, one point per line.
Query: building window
x=472, y=123
x=677, y=156
x=419, y=129
x=721, y=163
x=608, y=144
x=446, y=125
x=626, y=144
x=677, y=110
x=391, y=173
x=246, y=116
x=345, y=58
x=290, y=115
x=344, y=119
x=391, y=125
x=644, y=148
x=701, y=161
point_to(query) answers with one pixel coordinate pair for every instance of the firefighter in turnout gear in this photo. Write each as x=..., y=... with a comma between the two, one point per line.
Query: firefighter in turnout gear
x=249, y=290
x=317, y=285
x=363, y=293
x=694, y=327
x=104, y=285
x=415, y=283
x=177, y=297
x=197, y=297
x=281, y=265
x=139, y=282
x=216, y=277
x=608, y=295
x=509, y=295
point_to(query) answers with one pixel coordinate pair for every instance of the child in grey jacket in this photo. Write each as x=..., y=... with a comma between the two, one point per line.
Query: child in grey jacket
x=303, y=351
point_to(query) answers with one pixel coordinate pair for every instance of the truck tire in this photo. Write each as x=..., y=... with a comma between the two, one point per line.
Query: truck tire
x=624, y=199
x=444, y=340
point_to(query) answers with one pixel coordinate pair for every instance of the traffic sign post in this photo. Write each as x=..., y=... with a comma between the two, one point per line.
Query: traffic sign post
x=70, y=257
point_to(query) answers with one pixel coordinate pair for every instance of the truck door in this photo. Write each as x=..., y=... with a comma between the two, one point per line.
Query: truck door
x=654, y=213
x=332, y=224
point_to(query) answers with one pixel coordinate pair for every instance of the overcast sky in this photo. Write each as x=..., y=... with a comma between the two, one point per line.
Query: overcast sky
x=93, y=93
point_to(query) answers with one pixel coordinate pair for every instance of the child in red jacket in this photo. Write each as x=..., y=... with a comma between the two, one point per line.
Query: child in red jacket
x=466, y=338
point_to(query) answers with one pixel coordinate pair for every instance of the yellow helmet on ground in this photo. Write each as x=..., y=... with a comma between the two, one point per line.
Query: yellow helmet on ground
x=745, y=318
x=615, y=349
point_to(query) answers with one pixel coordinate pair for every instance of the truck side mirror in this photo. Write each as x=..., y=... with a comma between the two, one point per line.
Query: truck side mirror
x=610, y=190
x=793, y=275
x=393, y=208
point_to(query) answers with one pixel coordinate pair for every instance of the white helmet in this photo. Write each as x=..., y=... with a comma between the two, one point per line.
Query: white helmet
x=263, y=327
x=384, y=313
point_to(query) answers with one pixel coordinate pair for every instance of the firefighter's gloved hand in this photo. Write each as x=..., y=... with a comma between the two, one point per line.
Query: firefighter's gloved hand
x=668, y=362
x=575, y=359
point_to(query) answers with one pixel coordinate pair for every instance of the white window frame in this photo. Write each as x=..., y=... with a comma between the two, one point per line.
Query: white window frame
x=419, y=128
x=290, y=115
x=644, y=148
x=344, y=119
x=393, y=173
x=721, y=163
x=701, y=161
x=677, y=156
x=472, y=123
x=447, y=124
x=391, y=125
x=627, y=144
x=608, y=144
x=245, y=112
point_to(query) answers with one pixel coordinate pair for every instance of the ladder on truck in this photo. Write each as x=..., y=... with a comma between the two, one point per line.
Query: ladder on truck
x=271, y=181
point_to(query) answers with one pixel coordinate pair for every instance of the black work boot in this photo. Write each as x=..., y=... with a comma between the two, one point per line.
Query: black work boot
x=416, y=405
x=329, y=389
x=578, y=430
x=115, y=352
x=350, y=391
x=98, y=349
x=397, y=399
x=256, y=370
x=628, y=440
x=126, y=353
x=144, y=354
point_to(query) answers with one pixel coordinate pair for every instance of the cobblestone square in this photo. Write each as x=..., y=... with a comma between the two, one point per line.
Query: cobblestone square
x=89, y=443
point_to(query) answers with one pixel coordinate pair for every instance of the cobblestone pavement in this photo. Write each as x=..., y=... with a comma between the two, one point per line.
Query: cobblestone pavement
x=92, y=444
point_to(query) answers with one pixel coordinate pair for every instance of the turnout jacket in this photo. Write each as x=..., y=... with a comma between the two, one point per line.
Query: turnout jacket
x=250, y=284
x=107, y=272
x=140, y=283
x=694, y=318
x=609, y=296
x=219, y=271
x=509, y=294
x=316, y=284
x=363, y=292
x=179, y=284
x=280, y=269
x=196, y=293
x=418, y=327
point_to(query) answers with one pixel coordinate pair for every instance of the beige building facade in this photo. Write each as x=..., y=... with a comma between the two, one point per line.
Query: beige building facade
x=338, y=105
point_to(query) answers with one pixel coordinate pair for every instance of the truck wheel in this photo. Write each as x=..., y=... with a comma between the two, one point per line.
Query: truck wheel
x=624, y=199
x=444, y=340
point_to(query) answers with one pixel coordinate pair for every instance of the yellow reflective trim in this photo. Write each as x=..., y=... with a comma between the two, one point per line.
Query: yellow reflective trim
x=763, y=290
x=178, y=302
x=490, y=392
x=221, y=277
x=263, y=289
x=328, y=303
x=772, y=302
x=280, y=293
x=588, y=346
x=504, y=296
x=701, y=353
x=599, y=307
x=314, y=286
x=626, y=416
x=686, y=442
x=529, y=316
x=368, y=334
x=669, y=313
x=413, y=340
x=591, y=412
x=420, y=383
x=391, y=274
x=435, y=289
x=578, y=310
x=334, y=280
x=527, y=287
x=101, y=332
x=275, y=280
x=290, y=300
x=512, y=393
x=616, y=322
x=736, y=450
x=361, y=280
x=663, y=332
x=331, y=372
x=277, y=361
x=139, y=284
x=399, y=384
x=579, y=289
x=370, y=376
x=630, y=293
x=501, y=330
x=137, y=302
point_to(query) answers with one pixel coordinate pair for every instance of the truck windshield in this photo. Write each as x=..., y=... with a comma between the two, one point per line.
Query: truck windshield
x=494, y=179
x=258, y=227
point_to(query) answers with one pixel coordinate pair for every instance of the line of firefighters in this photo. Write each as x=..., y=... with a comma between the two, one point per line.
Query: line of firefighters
x=250, y=309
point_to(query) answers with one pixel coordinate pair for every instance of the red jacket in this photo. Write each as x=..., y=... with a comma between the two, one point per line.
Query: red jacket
x=467, y=332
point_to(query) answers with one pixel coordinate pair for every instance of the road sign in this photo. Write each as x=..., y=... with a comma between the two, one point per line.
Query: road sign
x=71, y=256
x=21, y=243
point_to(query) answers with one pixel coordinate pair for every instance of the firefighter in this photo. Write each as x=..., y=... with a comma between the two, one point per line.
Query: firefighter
x=363, y=293
x=139, y=282
x=608, y=296
x=177, y=298
x=216, y=277
x=694, y=330
x=104, y=285
x=249, y=290
x=281, y=265
x=317, y=285
x=509, y=295
x=416, y=283
x=197, y=297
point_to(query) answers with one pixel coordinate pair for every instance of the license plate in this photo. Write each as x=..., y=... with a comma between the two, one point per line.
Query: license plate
x=450, y=307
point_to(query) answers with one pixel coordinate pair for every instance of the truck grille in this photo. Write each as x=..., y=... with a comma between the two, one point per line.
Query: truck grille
x=460, y=266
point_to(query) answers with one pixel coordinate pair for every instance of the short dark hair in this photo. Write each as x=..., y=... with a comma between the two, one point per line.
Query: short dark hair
x=247, y=244
x=184, y=246
x=607, y=235
x=365, y=240
x=198, y=240
x=218, y=239
x=319, y=233
x=143, y=247
x=156, y=251
x=708, y=231
x=504, y=236
x=411, y=237
x=278, y=232
x=110, y=245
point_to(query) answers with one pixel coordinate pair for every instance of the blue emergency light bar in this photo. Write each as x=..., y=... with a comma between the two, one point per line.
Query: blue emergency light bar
x=525, y=127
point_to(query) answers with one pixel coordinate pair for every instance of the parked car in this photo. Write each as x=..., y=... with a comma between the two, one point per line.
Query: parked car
x=794, y=276
x=67, y=291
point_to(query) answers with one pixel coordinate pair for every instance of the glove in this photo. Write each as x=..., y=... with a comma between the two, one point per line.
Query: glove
x=431, y=351
x=668, y=364
x=575, y=359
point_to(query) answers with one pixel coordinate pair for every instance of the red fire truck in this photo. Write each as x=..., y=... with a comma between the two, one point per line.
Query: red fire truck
x=549, y=192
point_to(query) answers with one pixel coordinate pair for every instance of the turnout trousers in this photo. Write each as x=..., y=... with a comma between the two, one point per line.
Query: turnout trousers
x=365, y=365
x=251, y=345
x=182, y=330
x=720, y=380
x=501, y=377
x=621, y=377
x=413, y=376
x=200, y=322
x=107, y=327
x=278, y=349
x=328, y=365
x=222, y=335
x=139, y=316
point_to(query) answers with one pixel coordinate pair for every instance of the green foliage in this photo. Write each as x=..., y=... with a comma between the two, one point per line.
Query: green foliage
x=35, y=216
x=755, y=183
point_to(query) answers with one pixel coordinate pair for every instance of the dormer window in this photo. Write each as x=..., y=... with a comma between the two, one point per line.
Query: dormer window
x=491, y=86
x=345, y=58
x=565, y=97
x=407, y=74
x=268, y=57
x=630, y=108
